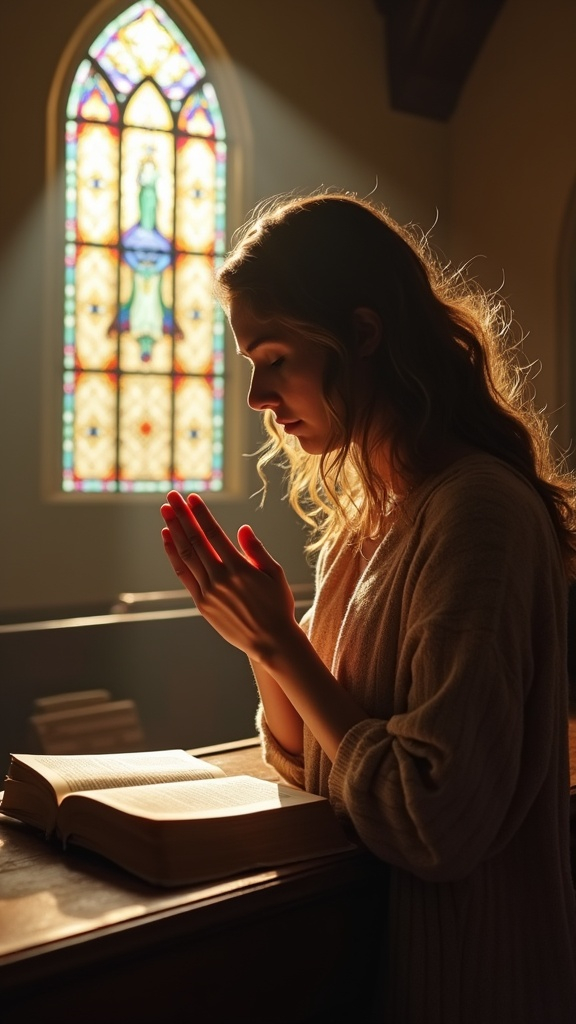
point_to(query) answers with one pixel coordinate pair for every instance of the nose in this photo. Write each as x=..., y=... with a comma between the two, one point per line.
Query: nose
x=261, y=396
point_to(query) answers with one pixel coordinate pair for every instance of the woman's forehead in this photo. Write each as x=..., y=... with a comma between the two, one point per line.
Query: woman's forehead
x=244, y=320
x=251, y=330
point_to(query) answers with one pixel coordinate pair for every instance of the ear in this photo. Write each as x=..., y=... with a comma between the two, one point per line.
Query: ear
x=368, y=330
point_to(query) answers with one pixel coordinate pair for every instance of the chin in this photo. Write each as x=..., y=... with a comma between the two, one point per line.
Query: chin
x=310, y=448
x=314, y=447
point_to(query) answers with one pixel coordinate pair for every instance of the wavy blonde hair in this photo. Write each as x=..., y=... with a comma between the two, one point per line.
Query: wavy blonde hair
x=446, y=368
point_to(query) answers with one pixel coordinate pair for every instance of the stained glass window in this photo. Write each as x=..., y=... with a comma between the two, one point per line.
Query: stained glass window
x=145, y=208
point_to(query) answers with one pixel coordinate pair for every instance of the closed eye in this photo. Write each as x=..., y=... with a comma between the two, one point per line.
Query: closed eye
x=277, y=362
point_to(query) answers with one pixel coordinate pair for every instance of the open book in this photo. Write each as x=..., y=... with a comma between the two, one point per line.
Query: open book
x=169, y=817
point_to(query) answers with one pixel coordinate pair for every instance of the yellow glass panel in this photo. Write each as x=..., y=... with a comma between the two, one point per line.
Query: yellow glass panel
x=120, y=62
x=149, y=42
x=194, y=314
x=94, y=107
x=175, y=69
x=194, y=117
x=147, y=152
x=193, y=429
x=195, y=175
x=145, y=421
x=96, y=282
x=148, y=109
x=95, y=427
x=97, y=184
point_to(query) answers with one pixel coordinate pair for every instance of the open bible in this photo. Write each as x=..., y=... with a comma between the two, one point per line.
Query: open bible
x=167, y=816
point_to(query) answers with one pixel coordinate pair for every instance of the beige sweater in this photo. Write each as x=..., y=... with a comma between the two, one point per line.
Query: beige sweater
x=453, y=639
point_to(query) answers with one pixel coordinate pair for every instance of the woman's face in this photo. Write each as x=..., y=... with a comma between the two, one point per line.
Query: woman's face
x=287, y=376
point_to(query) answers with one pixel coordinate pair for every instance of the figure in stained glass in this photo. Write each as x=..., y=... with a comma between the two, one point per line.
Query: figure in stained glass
x=148, y=253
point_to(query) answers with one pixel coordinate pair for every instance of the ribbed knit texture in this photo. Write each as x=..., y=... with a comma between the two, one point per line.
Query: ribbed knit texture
x=453, y=640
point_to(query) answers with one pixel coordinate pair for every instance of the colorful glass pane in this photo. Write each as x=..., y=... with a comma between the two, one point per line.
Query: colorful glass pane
x=96, y=177
x=198, y=433
x=96, y=273
x=95, y=426
x=195, y=315
x=91, y=97
x=145, y=431
x=148, y=109
x=145, y=222
x=195, y=195
x=143, y=42
x=200, y=115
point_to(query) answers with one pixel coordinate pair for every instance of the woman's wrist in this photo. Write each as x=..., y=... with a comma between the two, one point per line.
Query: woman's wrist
x=275, y=653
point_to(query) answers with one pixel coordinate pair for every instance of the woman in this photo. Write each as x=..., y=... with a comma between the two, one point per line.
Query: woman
x=425, y=691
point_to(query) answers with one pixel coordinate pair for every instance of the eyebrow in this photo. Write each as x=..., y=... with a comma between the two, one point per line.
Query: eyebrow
x=256, y=343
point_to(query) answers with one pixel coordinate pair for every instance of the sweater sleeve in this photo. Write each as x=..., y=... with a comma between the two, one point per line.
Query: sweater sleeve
x=289, y=766
x=446, y=779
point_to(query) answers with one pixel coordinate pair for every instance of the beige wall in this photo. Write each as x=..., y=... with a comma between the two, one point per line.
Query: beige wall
x=512, y=173
x=313, y=77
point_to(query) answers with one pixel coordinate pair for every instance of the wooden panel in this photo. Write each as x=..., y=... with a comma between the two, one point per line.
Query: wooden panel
x=431, y=46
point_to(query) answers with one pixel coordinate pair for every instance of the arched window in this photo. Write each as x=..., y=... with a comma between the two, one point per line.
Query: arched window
x=145, y=168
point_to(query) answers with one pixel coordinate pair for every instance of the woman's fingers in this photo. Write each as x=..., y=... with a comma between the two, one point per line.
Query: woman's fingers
x=202, y=534
x=212, y=532
x=185, y=575
x=255, y=551
x=198, y=545
x=183, y=551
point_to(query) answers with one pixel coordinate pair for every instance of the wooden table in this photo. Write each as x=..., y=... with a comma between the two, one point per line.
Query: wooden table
x=81, y=940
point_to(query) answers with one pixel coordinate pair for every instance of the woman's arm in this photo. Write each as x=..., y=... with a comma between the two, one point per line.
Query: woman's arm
x=245, y=596
x=311, y=690
x=283, y=720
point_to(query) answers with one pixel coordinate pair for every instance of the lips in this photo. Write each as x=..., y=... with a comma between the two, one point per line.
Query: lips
x=289, y=425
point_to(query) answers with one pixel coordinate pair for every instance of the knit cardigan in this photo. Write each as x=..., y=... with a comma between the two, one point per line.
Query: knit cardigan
x=452, y=638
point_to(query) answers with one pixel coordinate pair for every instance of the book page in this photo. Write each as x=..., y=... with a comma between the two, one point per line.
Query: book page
x=70, y=773
x=212, y=798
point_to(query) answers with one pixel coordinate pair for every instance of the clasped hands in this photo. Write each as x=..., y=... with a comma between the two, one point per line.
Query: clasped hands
x=242, y=592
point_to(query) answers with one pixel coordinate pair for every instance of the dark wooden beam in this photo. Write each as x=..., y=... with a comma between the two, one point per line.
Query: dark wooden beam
x=431, y=46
